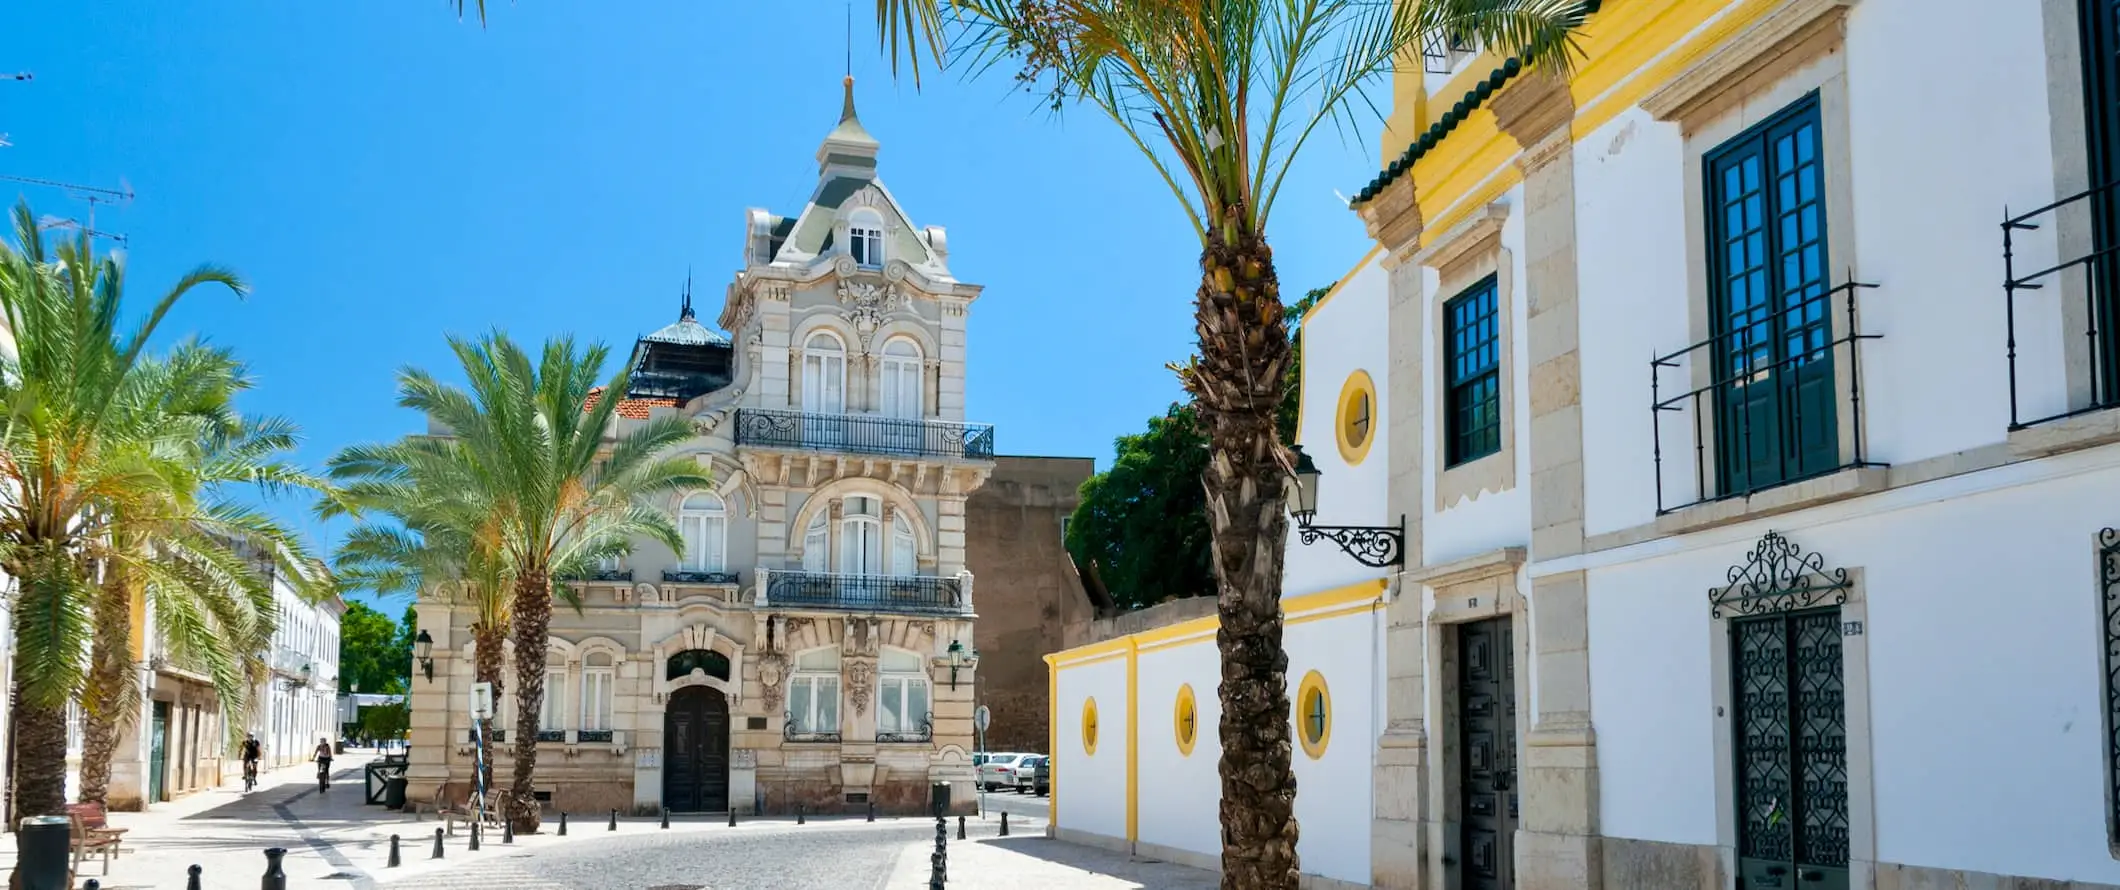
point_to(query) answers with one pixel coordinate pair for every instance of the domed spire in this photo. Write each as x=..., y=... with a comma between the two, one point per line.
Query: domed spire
x=848, y=143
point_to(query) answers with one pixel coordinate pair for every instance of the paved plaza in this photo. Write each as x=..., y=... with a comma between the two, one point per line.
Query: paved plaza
x=335, y=840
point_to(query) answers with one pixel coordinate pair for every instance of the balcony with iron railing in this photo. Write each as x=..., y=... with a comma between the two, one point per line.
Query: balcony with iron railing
x=920, y=594
x=1765, y=400
x=864, y=434
x=2074, y=296
x=700, y=576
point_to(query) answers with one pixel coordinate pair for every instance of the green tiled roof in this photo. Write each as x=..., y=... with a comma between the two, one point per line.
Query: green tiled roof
x=1433, y=136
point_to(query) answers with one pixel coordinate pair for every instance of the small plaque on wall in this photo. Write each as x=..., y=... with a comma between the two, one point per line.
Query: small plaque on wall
x=754, y=723
x=647, y=758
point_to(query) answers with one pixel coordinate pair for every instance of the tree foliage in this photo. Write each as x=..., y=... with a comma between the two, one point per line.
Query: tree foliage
x=1142, y=524
x=373, y=652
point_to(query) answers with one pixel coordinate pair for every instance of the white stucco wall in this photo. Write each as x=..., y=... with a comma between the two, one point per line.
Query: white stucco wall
x=1181, y=794
x=1342, y=336
x=1984, y=642
x=1333, y=790
x=1090, y=789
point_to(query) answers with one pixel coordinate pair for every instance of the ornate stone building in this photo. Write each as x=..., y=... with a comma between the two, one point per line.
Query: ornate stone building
x=813, y=642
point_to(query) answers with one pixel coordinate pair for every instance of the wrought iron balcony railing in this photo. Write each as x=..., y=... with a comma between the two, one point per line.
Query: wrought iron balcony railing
x=1764, y=398
x=2095, y=272
x=551, y=735
x=924, y=731
x=603, y=575
x=687, y=576
x=864, y=434
x=587, y=736
x=794, y=731
x=864, y=593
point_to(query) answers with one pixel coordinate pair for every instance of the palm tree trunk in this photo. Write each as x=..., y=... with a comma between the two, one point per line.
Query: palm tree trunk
x=105, y=712
x=1237, y=386
x=486, y=668
x=533, y=623
x=40, y=759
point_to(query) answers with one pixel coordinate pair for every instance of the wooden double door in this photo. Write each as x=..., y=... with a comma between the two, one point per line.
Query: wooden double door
x=696, y=751
x=1486, y=692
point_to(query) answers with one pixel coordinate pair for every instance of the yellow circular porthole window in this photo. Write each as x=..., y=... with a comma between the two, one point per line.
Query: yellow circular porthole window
x=1089, y=726
x=1313, y=714
x=1185, y=719
x=1355, y=425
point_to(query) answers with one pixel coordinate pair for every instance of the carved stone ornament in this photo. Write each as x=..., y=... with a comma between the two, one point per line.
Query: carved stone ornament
x=924, y=628
x=859, y=676
x=646, y=593
x=771, y=670
x=867, y=303
x=743, y=758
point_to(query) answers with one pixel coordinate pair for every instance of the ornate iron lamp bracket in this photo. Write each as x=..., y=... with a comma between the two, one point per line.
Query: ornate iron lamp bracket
x=1374, y=546
x=1779, y=576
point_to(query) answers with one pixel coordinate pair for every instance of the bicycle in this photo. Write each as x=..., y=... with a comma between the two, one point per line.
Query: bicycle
x=250, y=776
x=324, y=775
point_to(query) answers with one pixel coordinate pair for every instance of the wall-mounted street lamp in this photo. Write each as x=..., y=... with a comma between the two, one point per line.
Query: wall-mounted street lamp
x=301, y=680
x=1375, y=546
x=423, y=649
x=961, y=659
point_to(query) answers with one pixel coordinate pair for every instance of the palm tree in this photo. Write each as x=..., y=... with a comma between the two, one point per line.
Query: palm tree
x=1220, y=96
x=529, y=473
x=180, y=550
x=74, y=458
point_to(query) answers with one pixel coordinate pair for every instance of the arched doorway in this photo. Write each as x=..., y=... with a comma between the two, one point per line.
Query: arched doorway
x=696, y=751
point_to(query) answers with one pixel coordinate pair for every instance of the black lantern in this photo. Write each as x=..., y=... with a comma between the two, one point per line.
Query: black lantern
x=301, y=680
x=1375, y=546
x=423, y=649
x=961, y=659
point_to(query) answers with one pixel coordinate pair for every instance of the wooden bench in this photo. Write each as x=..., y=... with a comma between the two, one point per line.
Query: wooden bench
x=89, y=841
x=453, y=803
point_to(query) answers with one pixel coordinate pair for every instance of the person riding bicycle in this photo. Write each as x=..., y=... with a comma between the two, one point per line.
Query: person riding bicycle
x=252, y=753
x=323, y=757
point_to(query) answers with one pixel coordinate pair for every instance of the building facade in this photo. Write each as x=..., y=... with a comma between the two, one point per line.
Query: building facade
x=297, y=704
x=1016, y=544
x=811, y=646
x=1754, y=428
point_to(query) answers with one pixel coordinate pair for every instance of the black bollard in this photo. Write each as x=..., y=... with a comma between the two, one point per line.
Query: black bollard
x=275, y=879
x=508, y=831
x=1004, y=823
x=474, y=837
x=666, y=817
x=872, y=811
x=92, y=884
x=437, y=844
x=394, y=860
x=960, y=828
x=732, y=815
x=192, y=882
x=563, y=823
x=799, y=811
x=614, y=821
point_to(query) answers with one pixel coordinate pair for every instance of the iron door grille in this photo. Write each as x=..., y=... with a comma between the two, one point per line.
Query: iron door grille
x=1790, y=744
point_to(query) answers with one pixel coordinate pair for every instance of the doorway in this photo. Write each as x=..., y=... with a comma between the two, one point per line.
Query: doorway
x=1790, y=743
x=158, y=753
x=696, y=751
x=2099, y=23
x=1487, y=752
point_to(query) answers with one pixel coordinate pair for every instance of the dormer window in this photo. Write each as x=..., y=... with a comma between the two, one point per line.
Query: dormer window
x=865, y=239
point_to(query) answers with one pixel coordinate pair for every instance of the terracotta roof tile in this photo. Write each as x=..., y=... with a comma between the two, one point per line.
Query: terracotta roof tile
x=630, y=409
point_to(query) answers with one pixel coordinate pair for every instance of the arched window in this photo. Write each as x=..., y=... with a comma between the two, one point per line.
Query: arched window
x=865, y=238
x=901, y=379
x=817, y=544
x=598, y=671
x=824, y=374
x=861, y=536
x=813, y=691
x=905, y=551
x=703, y=521
x=902, y=694
x=552, y=712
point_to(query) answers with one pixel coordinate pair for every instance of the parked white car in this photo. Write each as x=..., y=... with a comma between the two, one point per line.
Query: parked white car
x=998, y=770
x=1027, y=773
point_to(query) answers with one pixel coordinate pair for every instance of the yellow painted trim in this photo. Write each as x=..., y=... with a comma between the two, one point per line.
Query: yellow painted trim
x=1303, y=365
x=1052, y=739
x=1295, y=609
x=1629, y=93
x=1342, y=612
x=1133, y=744
x=1183, y=713
x=1342, y=595
x=1089, y=725
x=1502, y=181
x=1313, y=685
x=1358, y=386
x=1115, y=645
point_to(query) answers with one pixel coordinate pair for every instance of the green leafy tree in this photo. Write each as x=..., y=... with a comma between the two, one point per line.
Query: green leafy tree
x=531, y=485
x=1292, y=381
x=373, y=654
x=387, y=721
x=1143, y=522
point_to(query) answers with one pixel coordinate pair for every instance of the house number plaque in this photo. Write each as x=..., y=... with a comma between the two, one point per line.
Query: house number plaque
x=1851, y=628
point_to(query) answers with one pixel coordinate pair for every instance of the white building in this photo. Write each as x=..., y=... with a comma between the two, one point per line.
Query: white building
x=298, y=705
x=1845, y=610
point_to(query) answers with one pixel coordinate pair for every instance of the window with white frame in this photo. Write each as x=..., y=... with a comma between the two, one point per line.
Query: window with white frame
x=901, y=379
x=703, y=521
x=905, y=549
x=597, y=676
x=861, y=536
x=813, y=692
x=552, y=712
x=865, y=238
x=824, y=374
x=817, y=544
x=902, y=693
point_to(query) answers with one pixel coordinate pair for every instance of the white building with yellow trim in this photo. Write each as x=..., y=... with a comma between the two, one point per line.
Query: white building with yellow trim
x=1751, y=394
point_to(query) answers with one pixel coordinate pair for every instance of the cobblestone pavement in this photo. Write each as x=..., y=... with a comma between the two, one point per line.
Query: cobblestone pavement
x=1033, y=862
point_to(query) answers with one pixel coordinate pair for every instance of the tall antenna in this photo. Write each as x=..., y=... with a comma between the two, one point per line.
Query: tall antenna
x=93, y=195
x=850, y=38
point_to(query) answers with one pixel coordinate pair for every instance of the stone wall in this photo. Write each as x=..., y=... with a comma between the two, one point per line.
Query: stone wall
x=1027, y=591
x=1097, y=630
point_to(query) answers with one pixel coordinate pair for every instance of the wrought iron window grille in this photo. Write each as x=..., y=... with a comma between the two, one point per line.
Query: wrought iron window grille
x=499, y=735
x=864, y=434
x=2101, y=288
x=601, y=575
x=865, y=593
x=922, y=732
x=687, y=576
x=1725, y=472
x=792, y=731
x=1779, y=576
x=551, y=735
x=2109, y=579
x=593, y=735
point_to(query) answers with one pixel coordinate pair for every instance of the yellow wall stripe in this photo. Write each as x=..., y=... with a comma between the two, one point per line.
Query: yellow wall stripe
x=1337, y=601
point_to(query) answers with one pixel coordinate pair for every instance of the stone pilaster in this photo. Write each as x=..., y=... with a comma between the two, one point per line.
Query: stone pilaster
x=1398, y=855
x=1557, y=844
x=427, y=765
x=949, y=395
x=949, y=535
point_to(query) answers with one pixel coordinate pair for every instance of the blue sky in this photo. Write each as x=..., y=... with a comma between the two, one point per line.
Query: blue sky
x=384, y=174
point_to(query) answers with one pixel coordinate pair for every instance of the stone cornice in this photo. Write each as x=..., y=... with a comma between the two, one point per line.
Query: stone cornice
x=1393, y=218
x=1794, y=32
